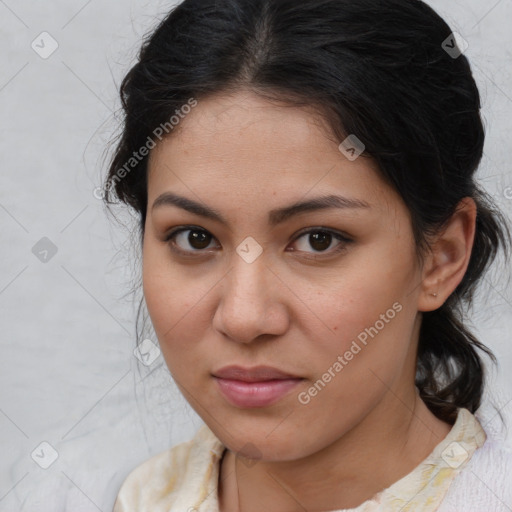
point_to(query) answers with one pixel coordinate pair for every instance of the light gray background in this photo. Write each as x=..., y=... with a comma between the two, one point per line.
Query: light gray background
x=68, y=375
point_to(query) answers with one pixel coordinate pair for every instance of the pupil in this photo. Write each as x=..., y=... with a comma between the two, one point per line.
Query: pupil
x=320, y=241
x=199, y=239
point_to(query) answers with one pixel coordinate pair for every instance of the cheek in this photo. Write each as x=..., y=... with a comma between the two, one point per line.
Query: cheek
x=356, y=300
x=172, y=299
x=176, y=322
x=362, y=317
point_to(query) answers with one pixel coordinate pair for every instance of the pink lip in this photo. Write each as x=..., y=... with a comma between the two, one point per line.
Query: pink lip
x=254, y=387
x=255, y=394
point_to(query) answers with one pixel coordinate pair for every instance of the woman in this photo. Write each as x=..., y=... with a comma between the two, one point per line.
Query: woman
x=310, y=228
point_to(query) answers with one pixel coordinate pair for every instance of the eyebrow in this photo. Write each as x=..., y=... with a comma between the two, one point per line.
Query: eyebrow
x=275, y=217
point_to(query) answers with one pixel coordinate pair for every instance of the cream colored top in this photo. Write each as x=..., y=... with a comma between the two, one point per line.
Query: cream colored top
x=185, y=478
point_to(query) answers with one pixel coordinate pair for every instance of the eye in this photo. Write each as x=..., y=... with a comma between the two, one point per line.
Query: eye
x=188, y=240
x=320, y=240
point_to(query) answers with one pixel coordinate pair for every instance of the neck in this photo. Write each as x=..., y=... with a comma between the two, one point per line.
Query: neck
x=344, y=474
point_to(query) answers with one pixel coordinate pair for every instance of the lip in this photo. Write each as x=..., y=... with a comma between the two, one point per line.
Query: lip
x=260, y=386
x=255, y=374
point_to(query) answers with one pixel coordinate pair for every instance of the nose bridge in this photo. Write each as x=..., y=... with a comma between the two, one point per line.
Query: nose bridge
x=249, y=273
x=247, y=283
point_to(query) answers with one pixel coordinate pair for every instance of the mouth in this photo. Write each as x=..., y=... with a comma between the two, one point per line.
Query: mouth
x=254, y=387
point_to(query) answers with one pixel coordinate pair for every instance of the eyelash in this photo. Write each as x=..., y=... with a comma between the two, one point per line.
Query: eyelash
x=170, y=239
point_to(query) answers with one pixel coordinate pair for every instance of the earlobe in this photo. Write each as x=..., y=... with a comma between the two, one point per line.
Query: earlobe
x=449, y=257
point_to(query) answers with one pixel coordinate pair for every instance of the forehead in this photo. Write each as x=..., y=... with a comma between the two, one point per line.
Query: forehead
x=243, y=123
x=242, y=145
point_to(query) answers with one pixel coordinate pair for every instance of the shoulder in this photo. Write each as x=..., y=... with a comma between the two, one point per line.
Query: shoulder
x=162, y=480
x=485, y=483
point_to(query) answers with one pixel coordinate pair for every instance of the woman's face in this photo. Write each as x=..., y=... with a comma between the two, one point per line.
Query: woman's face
x=327, y=293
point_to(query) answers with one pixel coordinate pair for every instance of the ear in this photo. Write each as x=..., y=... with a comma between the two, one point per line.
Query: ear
x=448, y=260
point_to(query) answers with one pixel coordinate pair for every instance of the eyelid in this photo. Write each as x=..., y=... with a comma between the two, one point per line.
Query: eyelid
x=315, y=229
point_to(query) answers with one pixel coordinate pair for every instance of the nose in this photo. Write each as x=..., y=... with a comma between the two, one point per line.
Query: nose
x=252, y=302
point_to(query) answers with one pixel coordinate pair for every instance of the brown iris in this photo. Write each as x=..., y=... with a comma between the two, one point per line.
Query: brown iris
x=201, y=238
x=320, y=241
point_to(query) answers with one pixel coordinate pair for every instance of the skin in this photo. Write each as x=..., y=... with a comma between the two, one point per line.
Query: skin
x=245, y=156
